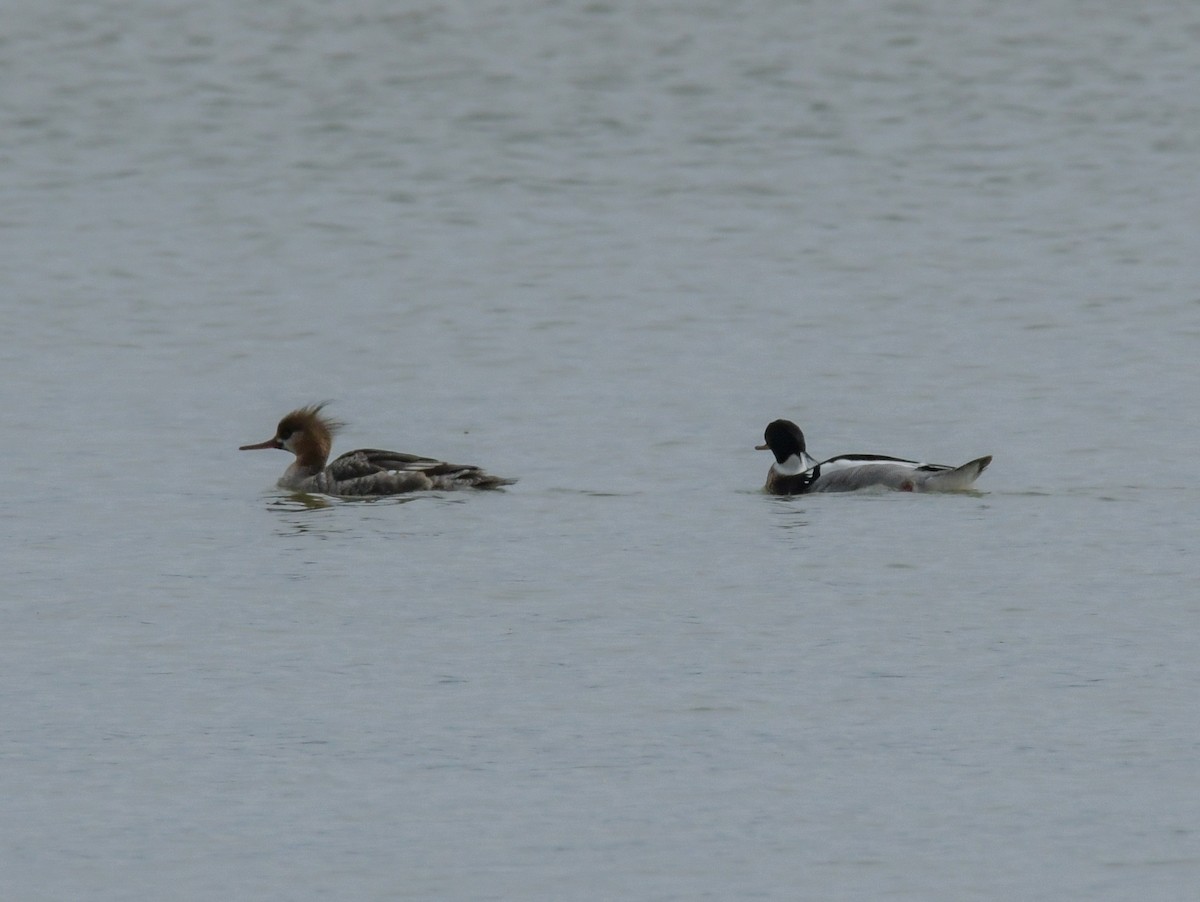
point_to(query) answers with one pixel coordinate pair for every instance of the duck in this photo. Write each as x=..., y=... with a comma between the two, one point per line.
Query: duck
x=309, y=434
x=796, y=472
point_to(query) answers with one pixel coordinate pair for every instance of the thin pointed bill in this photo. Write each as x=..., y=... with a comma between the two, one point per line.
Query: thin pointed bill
x=762, y=447
x=269, y=443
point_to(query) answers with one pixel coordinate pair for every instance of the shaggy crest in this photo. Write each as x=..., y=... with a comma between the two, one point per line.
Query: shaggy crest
x=309, y=419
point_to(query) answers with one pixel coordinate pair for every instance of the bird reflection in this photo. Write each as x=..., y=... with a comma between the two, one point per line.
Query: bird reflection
x=788, y=514
x=302, y=513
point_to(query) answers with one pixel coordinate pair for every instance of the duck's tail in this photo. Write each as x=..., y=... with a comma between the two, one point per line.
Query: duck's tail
x=488, y=481
x=470, y=478
x=957, y=479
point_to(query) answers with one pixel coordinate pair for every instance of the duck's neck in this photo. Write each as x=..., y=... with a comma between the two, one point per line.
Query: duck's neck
x=795, y=464
x=311, y=455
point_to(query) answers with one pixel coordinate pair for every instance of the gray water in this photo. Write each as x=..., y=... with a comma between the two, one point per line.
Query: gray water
x=597, y=246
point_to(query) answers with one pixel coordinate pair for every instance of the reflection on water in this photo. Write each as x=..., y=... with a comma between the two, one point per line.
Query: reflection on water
x=787, y=512
x=318, y=514
x=305, y=513
x=305, y=500
x=299, y=514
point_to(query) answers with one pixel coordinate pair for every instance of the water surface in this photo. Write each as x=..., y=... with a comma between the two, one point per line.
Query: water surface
x=598, y=247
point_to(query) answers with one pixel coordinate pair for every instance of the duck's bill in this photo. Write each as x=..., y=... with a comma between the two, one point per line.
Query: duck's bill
x=762, y=447
x=269, y=443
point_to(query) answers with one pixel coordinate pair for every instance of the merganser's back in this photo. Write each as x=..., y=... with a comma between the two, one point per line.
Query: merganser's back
x=796, y=472
x=309, y=436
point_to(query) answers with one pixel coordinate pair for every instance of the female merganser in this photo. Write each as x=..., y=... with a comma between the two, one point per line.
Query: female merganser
x=309, y=436
x=796, y=472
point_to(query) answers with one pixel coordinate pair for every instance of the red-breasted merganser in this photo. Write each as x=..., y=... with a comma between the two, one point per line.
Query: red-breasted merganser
x=796, y=472
x=309, y=435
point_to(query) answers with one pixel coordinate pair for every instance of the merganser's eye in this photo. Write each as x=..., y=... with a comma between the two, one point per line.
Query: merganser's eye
x=285, y=433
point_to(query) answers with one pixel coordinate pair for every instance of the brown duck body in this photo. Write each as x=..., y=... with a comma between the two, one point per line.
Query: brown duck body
x=363, y=473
